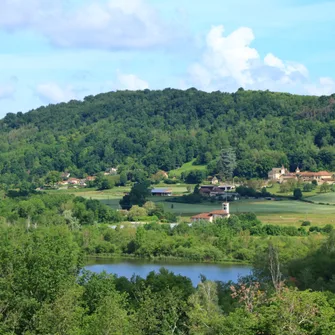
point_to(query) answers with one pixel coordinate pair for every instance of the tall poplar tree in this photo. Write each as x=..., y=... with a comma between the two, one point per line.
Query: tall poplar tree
x=227, y=163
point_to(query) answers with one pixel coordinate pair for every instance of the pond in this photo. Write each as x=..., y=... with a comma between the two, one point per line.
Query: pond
x=128, y=267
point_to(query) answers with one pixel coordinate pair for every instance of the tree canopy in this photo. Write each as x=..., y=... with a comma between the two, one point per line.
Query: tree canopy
x=146, y=131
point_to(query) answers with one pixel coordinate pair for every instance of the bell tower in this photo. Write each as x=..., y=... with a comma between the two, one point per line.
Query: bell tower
x=225, y=207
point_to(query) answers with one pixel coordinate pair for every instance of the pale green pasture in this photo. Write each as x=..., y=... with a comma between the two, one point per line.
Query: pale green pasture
x=187, y=167
x=323, y=197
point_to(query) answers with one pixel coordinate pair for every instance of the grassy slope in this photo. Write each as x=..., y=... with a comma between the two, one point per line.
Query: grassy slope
x=186, y=167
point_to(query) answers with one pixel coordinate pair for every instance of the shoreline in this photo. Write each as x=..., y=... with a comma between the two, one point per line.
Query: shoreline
x=168, y=258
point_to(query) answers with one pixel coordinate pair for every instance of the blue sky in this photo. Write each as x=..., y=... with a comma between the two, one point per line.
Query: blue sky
x=54, y=51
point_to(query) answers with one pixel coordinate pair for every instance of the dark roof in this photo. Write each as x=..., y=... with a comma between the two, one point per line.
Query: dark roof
x=161, y=190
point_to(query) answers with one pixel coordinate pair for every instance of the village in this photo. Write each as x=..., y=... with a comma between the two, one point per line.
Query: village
x=216, y=190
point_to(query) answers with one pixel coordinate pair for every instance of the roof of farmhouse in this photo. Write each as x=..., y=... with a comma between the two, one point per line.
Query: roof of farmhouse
x=161, y=190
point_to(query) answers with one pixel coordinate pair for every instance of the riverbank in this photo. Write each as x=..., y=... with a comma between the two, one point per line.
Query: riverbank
x=167, y=258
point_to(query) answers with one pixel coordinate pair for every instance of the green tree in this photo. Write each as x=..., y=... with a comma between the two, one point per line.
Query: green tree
x=297, y=194
x=227, y=163
x=325, y=188
x=53, y=178
x=138, y=195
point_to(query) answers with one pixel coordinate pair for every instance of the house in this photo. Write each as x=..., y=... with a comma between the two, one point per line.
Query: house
x=318, y=176
x=288, y=176
x=90, y=178
x=282, y=175
x=214, y=181
x=65, y=175
x=74, y=181
x=82, y=182
x=215, y=190
x=214, y=215
x=161, y=192
x=276, y=173
x=110, y=171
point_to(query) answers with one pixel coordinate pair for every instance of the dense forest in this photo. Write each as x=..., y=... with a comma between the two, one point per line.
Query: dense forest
x=144, y=131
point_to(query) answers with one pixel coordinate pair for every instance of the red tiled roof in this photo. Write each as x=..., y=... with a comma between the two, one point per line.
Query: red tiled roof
x=318, y=174
x=206, y=216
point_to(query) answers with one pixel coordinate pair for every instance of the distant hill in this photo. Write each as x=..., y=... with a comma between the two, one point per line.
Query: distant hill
x=151, y=130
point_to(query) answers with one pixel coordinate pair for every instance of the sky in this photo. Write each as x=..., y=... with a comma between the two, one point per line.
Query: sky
x=55, y=51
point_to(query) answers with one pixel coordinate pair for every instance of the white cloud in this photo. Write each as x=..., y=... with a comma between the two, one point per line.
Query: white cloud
x=113, y=24
x=53, y=93
x=229, y=62
x=131, y=82
x=226, y=57
x=8, y=88
x=325, y=86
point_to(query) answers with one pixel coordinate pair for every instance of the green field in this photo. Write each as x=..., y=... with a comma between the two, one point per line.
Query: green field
x=187, y=167
x=269, y=212
x=286, y=212
x=327, y=198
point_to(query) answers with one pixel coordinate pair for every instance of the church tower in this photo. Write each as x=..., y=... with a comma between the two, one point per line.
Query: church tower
x=225, y=207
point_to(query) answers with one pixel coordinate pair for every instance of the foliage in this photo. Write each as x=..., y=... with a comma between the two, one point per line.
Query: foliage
x=138, y=195
x=145, y=131
x=226, y=163
x=297, y=194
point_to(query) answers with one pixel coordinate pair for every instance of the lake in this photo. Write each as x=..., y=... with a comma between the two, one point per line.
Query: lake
x=128, y=267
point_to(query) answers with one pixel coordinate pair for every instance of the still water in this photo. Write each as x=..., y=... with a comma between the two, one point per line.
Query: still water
x=126, y=268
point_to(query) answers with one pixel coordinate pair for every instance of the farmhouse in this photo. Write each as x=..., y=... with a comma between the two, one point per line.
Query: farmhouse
x=215, y=190
x=161, y=192
x=282, y=175
x=74, y=181
x=214, y=181
x=276, y=173
x=318, y=176
x=214, y=215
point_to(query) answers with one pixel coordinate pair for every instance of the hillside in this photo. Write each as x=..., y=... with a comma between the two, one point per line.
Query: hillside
x=151, y=130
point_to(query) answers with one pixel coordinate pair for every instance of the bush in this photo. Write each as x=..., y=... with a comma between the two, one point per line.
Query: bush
x=306, y=223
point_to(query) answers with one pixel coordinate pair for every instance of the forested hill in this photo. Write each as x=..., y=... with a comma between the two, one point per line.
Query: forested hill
x=153, y=130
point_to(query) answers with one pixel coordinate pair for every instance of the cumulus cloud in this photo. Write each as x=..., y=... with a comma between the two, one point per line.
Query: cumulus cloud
x=229, y=62
x=112, y=24
x=131, y=82
x=8, y=88
x=53, y=93
x=325, y=86
x=226, y=57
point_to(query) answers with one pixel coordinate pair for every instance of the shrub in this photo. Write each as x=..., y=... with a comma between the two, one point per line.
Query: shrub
x=306, y=223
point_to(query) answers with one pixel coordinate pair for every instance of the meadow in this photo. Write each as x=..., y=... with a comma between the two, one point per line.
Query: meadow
x=285, y=212
x=186, y=168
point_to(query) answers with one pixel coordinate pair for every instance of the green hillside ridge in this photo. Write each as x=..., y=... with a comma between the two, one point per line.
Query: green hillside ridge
x=144, y=131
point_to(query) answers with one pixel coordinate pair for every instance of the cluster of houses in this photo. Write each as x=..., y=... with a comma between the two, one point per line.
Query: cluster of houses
x=223, y=191
x=75, y=181
x=82, y=182
x=282, y=175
